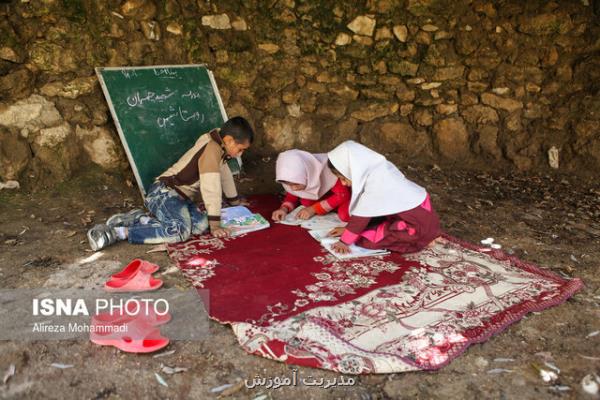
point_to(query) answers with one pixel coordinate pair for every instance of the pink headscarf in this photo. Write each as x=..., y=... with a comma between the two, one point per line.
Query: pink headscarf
x=298, y=166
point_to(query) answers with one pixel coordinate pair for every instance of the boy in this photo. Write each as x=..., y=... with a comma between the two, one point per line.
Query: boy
x=202, y=170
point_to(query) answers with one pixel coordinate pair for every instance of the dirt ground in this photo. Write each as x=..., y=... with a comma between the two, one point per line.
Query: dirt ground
x=551, y=220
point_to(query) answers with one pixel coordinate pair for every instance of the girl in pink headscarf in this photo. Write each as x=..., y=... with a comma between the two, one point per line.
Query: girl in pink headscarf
x=307, y=179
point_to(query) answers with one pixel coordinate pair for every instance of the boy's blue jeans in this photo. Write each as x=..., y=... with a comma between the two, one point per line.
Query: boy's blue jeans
x=175, y=218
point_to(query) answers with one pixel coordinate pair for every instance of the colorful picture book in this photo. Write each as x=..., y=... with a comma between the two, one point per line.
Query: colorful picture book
x=240, y=220
x=317, y=222
x=355, y=251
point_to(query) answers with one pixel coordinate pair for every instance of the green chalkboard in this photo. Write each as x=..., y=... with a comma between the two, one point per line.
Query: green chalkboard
x=160, y=111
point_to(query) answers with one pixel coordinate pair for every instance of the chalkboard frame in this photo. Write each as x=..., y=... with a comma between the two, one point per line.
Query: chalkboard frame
x=113, y=112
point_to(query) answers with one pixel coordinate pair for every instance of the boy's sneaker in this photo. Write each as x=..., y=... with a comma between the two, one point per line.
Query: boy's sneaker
x=125, y=219
x=101, y=236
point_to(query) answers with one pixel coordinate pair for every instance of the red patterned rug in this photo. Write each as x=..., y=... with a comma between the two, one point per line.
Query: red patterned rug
x=287, y=299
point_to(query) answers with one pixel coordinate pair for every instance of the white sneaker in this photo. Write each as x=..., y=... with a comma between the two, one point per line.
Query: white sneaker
x=125, y=219
x=101, y=236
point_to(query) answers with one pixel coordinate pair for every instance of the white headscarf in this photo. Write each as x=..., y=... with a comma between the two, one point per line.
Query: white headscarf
x=298, y=166
x=378, y=187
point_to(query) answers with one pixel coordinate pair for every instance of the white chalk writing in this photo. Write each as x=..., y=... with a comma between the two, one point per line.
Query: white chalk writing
x=129, y=73
x=137, y=100
x=192, y=95
x=166, y=72
x=164, y=121
x=185, y=118
x=184, y=115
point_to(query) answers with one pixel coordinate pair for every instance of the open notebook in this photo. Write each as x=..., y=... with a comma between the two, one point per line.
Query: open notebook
x=317, y=222
x=240, y=220
x=355, y=251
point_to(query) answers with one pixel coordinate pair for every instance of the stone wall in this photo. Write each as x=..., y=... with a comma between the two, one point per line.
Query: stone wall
x=477, y=83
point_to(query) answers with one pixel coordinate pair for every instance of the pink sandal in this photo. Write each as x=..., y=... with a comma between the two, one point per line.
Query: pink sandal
x=133, y=267
x=140, y=282
x=135, y=336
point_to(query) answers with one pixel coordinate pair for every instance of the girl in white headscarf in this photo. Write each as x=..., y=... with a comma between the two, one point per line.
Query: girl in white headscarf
x=387, y=211
x=307, y=179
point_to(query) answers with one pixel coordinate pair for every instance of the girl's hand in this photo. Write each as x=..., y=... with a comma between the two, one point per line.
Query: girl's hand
x=335, y=232
x=341, y=248
x=306, y=213
x=279, y=214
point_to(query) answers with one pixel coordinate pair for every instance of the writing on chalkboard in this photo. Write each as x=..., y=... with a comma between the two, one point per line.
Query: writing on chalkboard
x=166, y=72
x=192, y=95
x=160, y=111
x=137, y=100
x=129, y=74
x=184, y=115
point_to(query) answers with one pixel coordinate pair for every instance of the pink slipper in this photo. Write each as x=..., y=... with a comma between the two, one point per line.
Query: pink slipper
x=133, y=267
x=135, y=336
x=140, y=282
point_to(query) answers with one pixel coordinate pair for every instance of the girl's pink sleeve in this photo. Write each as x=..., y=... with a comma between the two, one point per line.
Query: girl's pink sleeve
x=355, y=227
x=289, y=202
x=341, y=194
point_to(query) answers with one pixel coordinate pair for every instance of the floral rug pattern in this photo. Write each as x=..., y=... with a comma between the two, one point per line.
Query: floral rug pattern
x=369, y=315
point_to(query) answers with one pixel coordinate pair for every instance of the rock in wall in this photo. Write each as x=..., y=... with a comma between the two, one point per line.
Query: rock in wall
x=480, y=83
